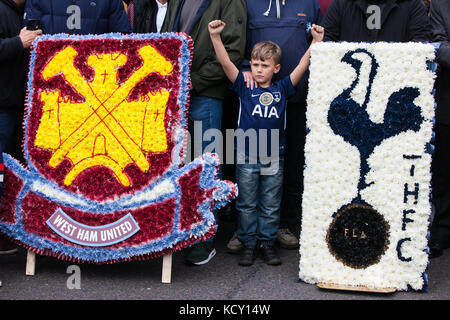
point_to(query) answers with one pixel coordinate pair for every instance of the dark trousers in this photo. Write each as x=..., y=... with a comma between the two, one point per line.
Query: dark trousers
x=294, y=160
x=11, y=132
x=440, y=228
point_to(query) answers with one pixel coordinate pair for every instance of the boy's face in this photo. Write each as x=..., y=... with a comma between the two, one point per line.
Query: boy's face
x=263, y=71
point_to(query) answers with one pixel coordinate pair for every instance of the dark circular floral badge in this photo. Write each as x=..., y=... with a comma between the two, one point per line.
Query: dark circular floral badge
x=358, y=236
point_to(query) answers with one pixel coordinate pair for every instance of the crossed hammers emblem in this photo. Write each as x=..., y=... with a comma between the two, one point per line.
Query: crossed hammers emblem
x=105, y=129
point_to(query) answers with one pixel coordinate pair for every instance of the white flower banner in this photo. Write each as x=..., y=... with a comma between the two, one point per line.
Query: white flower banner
x=366, y=201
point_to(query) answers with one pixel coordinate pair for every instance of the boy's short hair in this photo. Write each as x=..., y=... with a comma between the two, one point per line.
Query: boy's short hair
x=266, y=50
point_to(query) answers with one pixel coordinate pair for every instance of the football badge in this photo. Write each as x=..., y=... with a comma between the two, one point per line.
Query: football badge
x=105, y=136
x=266, y=99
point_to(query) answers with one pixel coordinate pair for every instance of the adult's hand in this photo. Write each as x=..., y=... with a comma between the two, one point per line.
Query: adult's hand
x=249, y=80
x=27, y=36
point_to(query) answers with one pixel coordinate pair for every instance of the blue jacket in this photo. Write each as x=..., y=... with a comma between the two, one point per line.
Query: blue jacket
x=97, y=16
x=288, y=31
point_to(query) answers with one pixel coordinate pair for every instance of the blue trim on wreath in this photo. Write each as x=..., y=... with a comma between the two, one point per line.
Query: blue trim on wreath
x=208, y=177
x=17, y=230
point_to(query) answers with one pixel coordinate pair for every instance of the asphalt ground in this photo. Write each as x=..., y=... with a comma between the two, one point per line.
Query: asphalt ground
x=221, y=281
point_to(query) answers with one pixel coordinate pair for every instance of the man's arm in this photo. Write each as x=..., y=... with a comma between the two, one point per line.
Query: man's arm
x=419, y=27
x=440, y=34
x=332, y=22
x=211, y=72
x=9, y=47
x=215, y=28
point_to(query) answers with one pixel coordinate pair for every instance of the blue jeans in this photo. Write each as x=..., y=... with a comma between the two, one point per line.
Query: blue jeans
x=204, y=113
x=258, y=203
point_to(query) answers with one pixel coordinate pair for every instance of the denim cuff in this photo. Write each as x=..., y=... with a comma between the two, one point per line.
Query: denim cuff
x=248, y=242
x=267, y=243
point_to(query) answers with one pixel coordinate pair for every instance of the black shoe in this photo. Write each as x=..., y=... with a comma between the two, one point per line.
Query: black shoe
x=436, y=250
x=269, y=255
x=247, y=256
x=201, y=253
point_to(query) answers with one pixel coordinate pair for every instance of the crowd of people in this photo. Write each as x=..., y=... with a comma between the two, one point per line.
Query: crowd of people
x=246, y=53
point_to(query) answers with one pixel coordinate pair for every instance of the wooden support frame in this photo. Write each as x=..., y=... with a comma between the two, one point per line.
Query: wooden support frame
x=30, y=269
x=332, y=286
x=31, y=263
x=167, y=268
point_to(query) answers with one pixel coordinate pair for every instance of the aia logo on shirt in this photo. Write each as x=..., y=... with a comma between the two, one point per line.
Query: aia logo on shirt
x=267, y=111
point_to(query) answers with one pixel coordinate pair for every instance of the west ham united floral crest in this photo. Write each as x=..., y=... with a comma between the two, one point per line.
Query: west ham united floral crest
x=366, y=201
x=105, y=136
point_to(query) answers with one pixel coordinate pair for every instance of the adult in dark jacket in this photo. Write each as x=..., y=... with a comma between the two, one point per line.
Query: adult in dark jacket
x=149, y=15
x=400, y=21
x=284, y=23
x=79, y=16
x=209, y=82
x=440, y=229
x=14, y=42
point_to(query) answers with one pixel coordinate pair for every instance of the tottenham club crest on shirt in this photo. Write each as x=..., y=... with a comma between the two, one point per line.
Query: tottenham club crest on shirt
x=264, y=110
x=267, y=107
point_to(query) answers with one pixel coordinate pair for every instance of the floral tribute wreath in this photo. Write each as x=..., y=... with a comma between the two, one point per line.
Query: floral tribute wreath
x=105, y=136
x=366, y=201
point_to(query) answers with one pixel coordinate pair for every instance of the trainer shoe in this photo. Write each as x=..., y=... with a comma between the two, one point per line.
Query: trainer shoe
x=269, y=255
x=201, y=253
x=286, y=239
x=234, y=246
x=248, y=255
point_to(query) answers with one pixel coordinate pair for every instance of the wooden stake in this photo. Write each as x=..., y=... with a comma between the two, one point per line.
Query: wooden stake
x=31, y=263
x=167, y=268
x=333, y=286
